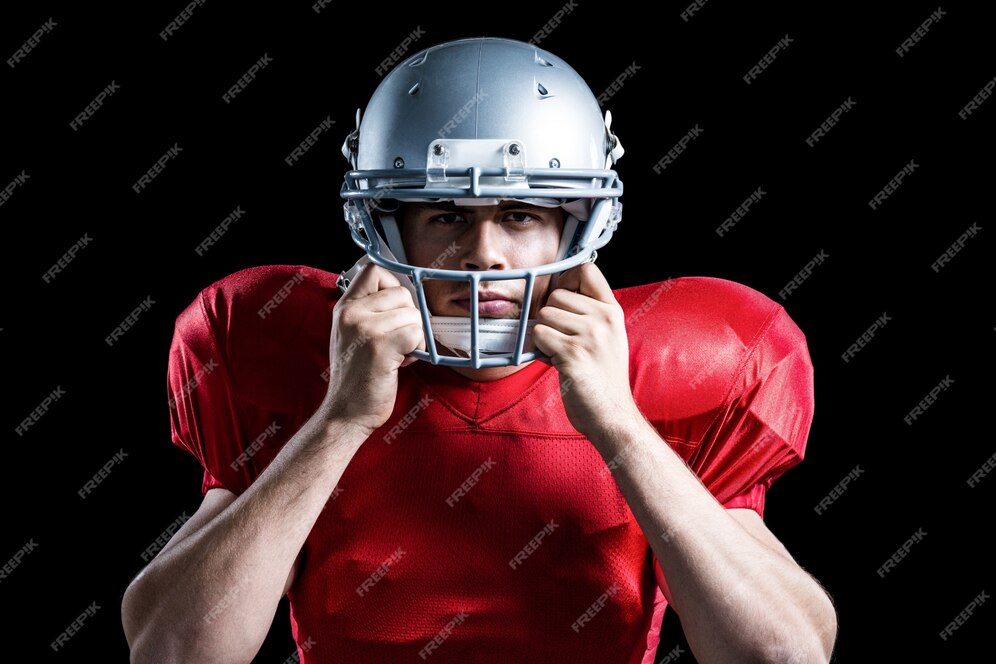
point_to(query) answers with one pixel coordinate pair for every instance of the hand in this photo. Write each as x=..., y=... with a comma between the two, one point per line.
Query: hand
x=375, y=327
x=582, y=329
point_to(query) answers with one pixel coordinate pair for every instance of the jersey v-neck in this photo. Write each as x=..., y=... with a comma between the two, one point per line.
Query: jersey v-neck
x=479, y=401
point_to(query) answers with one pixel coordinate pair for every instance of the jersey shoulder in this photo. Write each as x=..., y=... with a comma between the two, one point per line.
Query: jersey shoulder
x=702, y=340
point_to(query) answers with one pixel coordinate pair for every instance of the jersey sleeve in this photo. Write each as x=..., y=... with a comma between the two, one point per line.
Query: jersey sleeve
x=202, y=406
x=763, y=428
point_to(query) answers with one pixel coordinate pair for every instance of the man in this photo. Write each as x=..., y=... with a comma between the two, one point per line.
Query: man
x=469, y=447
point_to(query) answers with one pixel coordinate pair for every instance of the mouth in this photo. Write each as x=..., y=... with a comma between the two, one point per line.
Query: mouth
x=490, y=305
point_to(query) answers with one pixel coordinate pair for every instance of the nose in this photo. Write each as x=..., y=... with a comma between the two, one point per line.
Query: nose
x=484, y=246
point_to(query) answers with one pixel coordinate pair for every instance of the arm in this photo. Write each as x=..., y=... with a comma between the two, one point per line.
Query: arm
x=740, y=595
x=211, y=593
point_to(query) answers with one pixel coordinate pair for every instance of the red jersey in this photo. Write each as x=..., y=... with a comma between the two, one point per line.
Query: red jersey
x=477, y=524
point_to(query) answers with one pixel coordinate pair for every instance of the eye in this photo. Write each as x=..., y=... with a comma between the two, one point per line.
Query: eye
x=447, y=218
x=519, y=217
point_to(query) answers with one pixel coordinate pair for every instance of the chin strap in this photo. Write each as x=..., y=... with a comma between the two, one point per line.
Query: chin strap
x=495, y=336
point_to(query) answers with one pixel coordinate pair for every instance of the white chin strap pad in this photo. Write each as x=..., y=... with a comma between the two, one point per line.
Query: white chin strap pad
x=495, y=335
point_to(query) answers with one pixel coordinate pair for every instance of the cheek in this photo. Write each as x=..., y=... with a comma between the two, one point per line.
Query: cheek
x=537, y=249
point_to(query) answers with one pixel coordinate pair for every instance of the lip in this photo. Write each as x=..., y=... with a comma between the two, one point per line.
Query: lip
x=492, y=305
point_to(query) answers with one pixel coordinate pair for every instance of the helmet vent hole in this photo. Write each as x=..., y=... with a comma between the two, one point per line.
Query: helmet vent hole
x=417, y=61
x=541, y=90
x=415, y=89
x=542, y=62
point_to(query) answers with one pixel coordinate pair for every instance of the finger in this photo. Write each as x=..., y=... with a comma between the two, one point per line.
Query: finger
x=588, y=280
x=370, y=279
x=562, y=320
x=594, y=284
x=570, y=280
x=396, y=297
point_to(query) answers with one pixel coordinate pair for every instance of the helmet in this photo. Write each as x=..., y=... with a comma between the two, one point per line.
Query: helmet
x=477, y=121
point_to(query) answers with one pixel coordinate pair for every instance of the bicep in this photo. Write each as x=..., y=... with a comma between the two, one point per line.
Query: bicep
x=750, y=521
x=214, y=503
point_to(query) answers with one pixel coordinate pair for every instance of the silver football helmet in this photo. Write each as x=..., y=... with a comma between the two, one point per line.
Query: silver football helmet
x=477, y=121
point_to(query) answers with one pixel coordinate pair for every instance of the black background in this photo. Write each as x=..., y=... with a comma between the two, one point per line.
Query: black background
x=913, y=478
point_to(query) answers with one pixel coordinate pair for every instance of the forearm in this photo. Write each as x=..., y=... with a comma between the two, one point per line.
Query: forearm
x=739, y=598
x=212, y=597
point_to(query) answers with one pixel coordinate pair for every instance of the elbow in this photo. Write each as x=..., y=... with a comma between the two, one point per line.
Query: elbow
x=147, y=643
x=811, y=643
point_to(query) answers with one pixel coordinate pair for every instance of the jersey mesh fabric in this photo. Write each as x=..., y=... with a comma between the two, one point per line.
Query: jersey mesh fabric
x=477, y=524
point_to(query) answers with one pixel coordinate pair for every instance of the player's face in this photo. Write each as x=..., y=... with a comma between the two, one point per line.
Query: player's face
x=506, y=236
